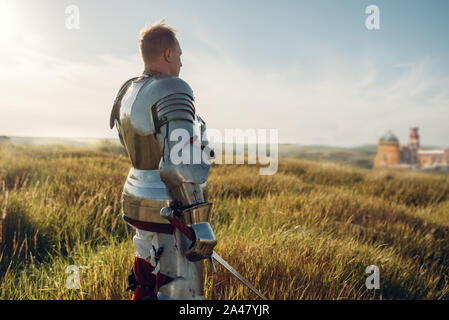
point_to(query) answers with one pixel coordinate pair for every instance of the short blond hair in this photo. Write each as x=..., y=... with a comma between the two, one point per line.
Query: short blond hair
x=154, y=40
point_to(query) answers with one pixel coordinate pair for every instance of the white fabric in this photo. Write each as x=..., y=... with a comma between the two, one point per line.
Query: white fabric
x=144, y=242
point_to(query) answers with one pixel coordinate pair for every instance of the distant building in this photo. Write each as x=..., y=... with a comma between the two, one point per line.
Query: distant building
x=388, y=151
x=436, y=158
x=392, y=155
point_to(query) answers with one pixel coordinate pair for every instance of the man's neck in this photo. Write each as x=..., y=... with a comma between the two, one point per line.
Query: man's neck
x=150, y=70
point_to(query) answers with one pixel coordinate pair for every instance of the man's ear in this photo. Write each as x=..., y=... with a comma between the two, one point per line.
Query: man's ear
x=168, y=54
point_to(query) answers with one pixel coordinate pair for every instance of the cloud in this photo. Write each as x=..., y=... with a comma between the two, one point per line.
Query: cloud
x=331, y=101
x=54, y=96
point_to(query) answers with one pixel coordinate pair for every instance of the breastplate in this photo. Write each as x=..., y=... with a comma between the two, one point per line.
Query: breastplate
x=144, y=194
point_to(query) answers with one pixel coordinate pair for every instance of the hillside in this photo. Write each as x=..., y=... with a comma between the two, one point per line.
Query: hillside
x=361, y=156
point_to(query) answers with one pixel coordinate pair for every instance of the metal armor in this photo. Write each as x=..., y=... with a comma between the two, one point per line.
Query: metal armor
x=147, y=111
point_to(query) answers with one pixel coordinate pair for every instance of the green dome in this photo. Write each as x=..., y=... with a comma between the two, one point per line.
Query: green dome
x=389, y=137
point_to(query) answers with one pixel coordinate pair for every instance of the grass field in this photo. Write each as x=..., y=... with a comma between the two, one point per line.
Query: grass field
x=307, y=232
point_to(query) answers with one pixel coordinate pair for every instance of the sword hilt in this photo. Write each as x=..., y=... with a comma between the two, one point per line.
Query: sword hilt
x=168, y=214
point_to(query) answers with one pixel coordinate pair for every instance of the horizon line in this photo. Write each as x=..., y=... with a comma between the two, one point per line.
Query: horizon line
x=280, y=143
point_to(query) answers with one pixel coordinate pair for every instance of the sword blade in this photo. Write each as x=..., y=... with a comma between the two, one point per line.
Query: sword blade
x=221, y=261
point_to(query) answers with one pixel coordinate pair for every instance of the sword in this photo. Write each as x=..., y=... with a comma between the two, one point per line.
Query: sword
x=168, y=214
x=223, y=262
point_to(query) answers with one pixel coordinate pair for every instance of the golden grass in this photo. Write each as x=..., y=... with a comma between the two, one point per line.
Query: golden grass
x=307, y=232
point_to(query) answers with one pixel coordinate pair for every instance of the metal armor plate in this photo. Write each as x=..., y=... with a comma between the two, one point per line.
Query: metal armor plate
x=144, y=193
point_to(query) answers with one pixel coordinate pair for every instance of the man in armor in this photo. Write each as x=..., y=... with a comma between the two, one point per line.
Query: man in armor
x=168, y=177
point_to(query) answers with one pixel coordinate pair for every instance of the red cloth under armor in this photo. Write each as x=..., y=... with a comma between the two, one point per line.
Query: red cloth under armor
x=143, y=272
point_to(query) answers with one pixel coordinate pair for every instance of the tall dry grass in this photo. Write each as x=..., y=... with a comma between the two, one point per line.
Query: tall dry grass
x=307, y=232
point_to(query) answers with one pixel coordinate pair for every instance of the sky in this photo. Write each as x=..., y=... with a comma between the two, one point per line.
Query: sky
x=310, y=69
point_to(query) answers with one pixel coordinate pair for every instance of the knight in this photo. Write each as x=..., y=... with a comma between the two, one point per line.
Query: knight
x=164, y=137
